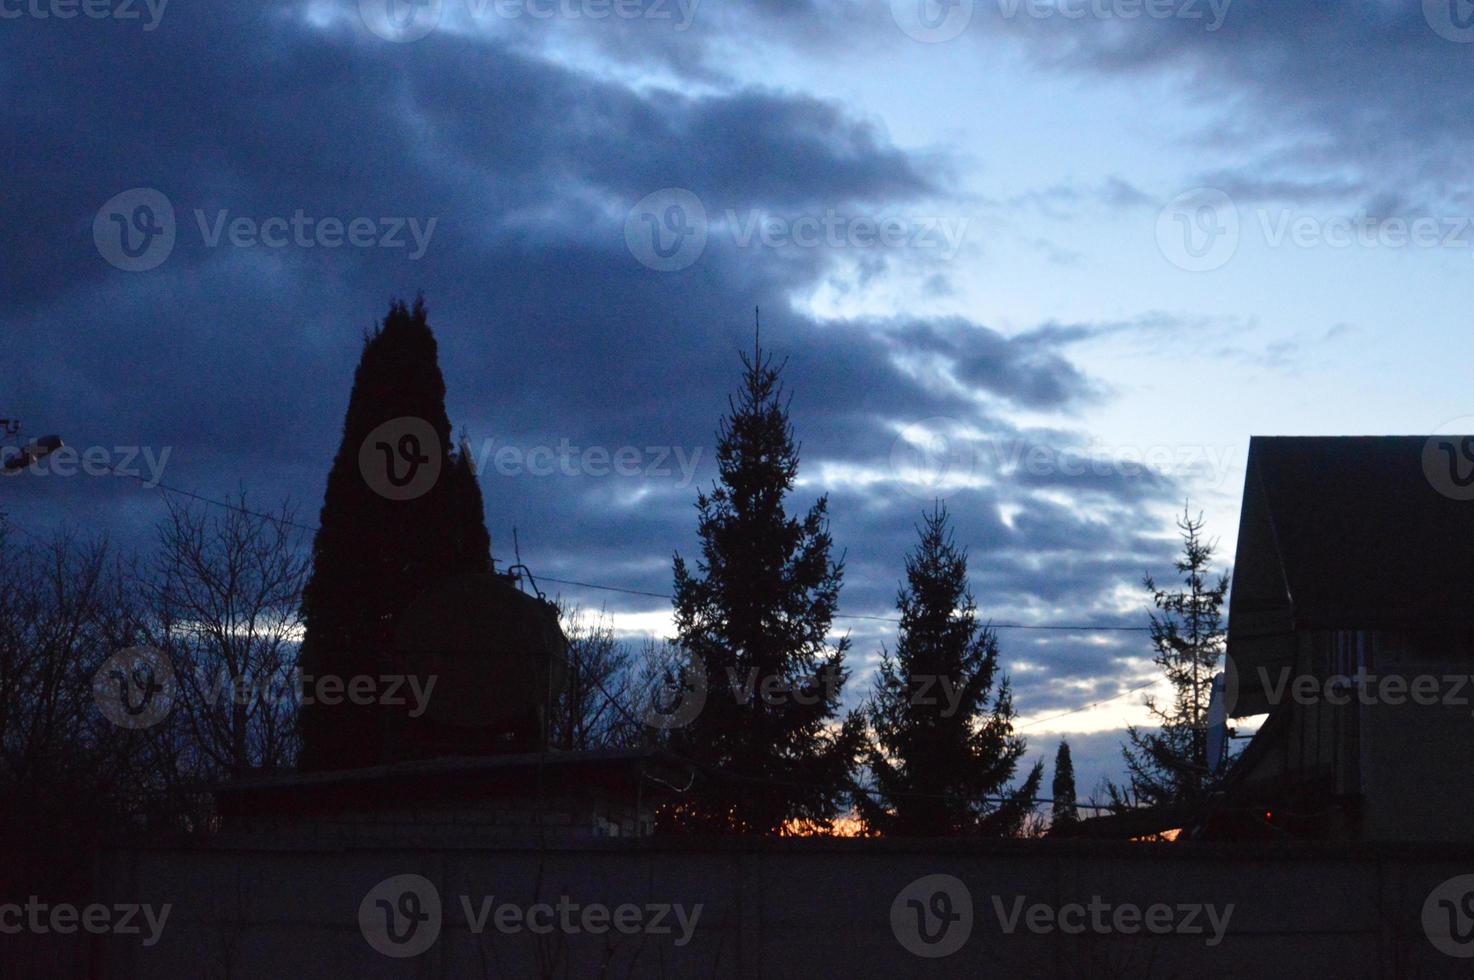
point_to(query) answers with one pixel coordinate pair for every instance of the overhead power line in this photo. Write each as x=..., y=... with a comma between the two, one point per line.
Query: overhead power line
x=624, y=710
x=287, y=522
x=1087, y=707
x=879, y=619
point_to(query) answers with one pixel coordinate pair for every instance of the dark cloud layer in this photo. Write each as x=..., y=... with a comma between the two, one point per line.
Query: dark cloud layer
x=1348, y=102
x=238, y=360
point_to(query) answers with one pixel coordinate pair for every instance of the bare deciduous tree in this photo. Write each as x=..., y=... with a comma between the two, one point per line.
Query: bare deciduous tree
x=224, y=599
x=595, y=708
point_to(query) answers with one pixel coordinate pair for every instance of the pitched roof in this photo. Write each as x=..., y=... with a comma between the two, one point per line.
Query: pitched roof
x=1356, y=532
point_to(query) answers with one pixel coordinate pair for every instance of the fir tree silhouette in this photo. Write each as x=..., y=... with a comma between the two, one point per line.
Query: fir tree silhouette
x=1170, y=765
x=943, y=744
x=755, y=615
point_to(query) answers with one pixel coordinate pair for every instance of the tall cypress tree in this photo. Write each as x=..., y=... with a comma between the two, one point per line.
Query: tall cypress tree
x=943, y=748
x=754, y=616
x=373, y=553
x=1062, y=812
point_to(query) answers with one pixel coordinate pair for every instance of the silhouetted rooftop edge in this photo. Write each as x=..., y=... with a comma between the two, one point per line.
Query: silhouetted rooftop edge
x=1349, y=532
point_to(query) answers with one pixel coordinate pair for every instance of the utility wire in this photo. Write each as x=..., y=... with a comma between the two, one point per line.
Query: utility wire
x=878, y=619
x=166, y=488
x=1061, y=628
x=1087, y=707
x=720, y=773
x=623, y=709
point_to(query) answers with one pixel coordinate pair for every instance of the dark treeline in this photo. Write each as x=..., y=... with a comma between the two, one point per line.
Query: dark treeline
x=240, y=603
x=217, y=599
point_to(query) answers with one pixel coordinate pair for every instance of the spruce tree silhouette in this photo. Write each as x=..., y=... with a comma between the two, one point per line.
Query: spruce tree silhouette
x=1062, y=812
x=939, y=746
x=401, y=512
x=755, y=616
x=1170, y=765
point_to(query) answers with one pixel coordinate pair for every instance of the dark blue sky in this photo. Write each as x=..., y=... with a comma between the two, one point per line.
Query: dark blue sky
x=963, y=238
